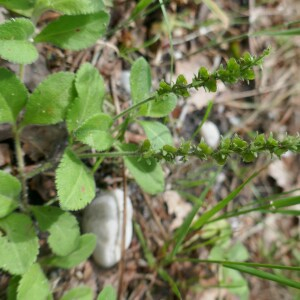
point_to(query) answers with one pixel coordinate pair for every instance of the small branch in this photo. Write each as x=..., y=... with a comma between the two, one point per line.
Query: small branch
x=207, y=113
x=21, y=167
x=110, y=154
x=22, y=72
x=42, y=168
x=133, y=107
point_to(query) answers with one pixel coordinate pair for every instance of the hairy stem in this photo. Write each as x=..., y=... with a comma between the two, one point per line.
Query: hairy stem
x=110, y=154
x=42, y=168
x=21, y=72
x=21, y=167
x=133, y=107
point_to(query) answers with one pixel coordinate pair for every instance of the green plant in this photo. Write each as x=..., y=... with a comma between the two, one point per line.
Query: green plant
x=77, y=99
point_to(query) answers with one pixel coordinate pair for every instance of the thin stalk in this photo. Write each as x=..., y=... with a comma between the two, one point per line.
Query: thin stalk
x=207, y=113
x=110, y=154
x=21, y=72
x=133, y=107
x=228, y=262
x=97, y=164
x=42, y=168
x=21, y=167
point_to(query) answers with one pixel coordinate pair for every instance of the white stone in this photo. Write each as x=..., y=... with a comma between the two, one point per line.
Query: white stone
x=104, y=218
x=211, y=134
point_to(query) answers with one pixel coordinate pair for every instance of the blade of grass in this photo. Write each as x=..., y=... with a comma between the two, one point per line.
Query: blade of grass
x=141, y=5
x=210, y=213
x=148, y=254
x=270, y=207
x=290, y=212
x=265, y=275
x=287, y=32
x=184, y=228
x=235, y=263
x=165, y=276
x=218, y=12
x=184, y=184
x=279, y=31
x=207, y=113
x=190, y=197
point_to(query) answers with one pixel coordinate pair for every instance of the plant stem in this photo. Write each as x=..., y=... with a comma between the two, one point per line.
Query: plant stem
x=126, y=111
x=207, y=113
x=21, y=72
x=110, y=154
x=42, y=168
x=21, y=167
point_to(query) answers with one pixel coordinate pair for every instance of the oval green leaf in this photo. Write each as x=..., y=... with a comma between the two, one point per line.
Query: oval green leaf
x=157, y=133
x=62, y=227
x=74, y=182
x=87, y=244
x=13, y=96
x=78, y=293
x=14, y=44
x=108, y=293
x=90, y=85
x=49, y=101
x=34, y=285
x=140, y=80
x=95, y=132
x=146, y=172
x=162, y=106
x=19, y=246
x=75, y=32
x=70, y=7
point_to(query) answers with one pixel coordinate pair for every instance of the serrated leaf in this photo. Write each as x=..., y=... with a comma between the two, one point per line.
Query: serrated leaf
x=74, y=182
x=71, y=7
x=75, y=32
x=158, y=134
x=19, y=246
x=78, y=293
x=14, y=44
x=95, y=132
x=140, y=80
x=87, y=244
x=108, y=293
x=161, y=107
x=62, y=227
x=9, y=193
x=49, y=101
x=146, y=172
x=90, y=88
x=33, y=285
x=13, y=96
